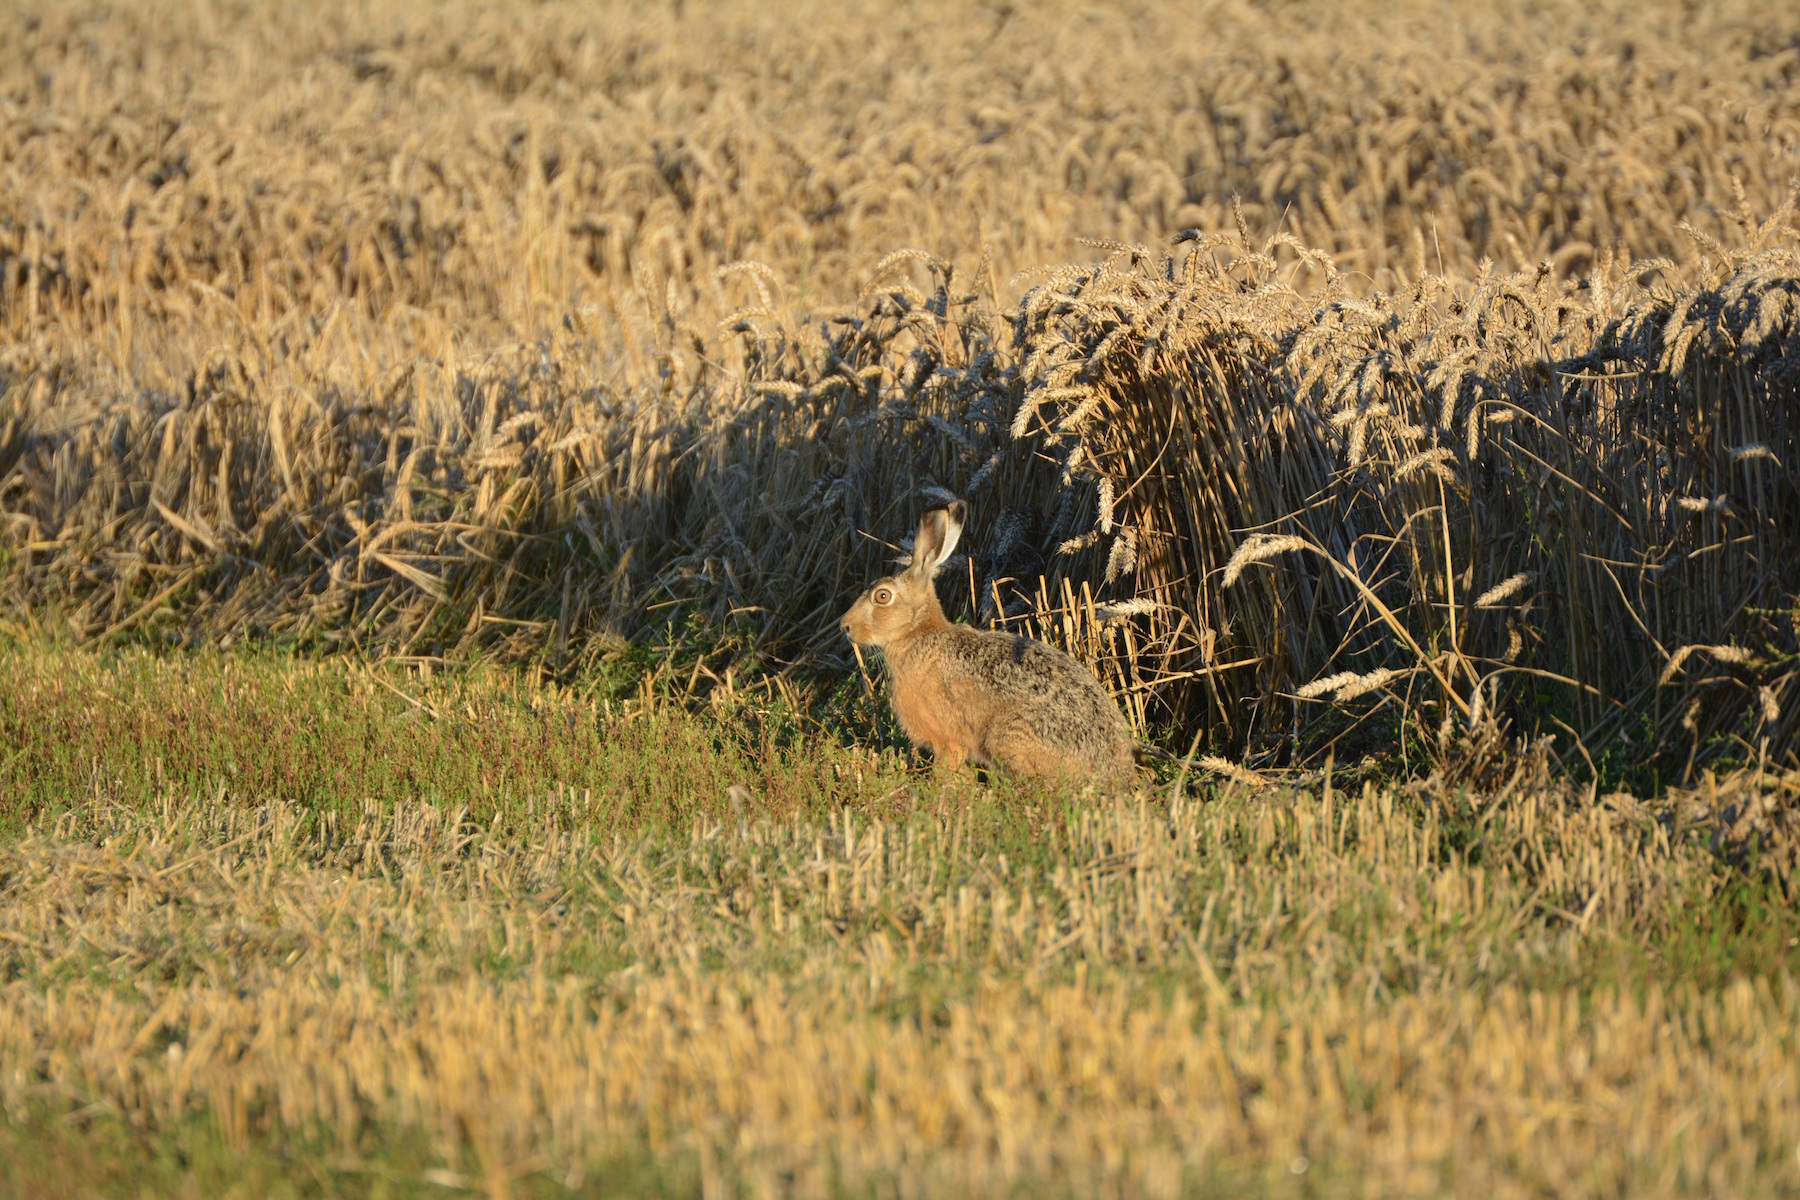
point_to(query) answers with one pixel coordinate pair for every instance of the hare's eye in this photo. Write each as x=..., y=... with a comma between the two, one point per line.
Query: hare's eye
x=884, y=595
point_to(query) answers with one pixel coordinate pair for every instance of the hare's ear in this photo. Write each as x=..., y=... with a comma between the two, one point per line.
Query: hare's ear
x=939, y=530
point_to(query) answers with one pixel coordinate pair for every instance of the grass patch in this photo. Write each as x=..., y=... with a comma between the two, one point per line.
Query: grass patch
x=334, y=736
x=59, y=1156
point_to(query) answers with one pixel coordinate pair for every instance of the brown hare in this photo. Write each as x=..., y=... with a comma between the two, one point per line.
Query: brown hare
x=985, y=695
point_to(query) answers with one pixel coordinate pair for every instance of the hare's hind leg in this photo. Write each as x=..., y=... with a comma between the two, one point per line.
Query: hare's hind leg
x=1022, y=754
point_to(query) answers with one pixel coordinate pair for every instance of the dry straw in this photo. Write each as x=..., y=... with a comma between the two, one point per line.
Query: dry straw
x=892, y=1004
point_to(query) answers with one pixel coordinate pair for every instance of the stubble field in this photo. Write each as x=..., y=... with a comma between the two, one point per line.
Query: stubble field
x=436, y=441
x=278, y=928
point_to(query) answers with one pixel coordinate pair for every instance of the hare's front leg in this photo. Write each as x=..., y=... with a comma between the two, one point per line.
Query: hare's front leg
x=948, y=760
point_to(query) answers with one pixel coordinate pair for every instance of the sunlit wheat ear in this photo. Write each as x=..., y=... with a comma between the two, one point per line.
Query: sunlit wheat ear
x=1122, y=558
x=1073, y=462
x=1078, y=416
x=1507, y=588
x=1260, y=548
x=1105, y=517
x=744, y=320
x=1429, y=460
x=1076, y=545
x=761, y=275
x=1730, y=655
x=778, y=387
x=1359, y=434
x=1233, y=771
x=1362, y=685
x=1766, y=702
x=1755, y=450
x=1140, y=606
x=1329, y=684
x=1021, y=422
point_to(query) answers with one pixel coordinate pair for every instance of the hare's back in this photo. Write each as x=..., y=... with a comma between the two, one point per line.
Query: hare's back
x=1029, y=676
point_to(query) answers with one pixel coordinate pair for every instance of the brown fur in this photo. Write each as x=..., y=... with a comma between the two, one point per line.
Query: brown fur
x=984, y=695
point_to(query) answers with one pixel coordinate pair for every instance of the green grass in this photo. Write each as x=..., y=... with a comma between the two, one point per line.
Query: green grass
x=63, y=1158
x=73, y=1157
x=334, y=735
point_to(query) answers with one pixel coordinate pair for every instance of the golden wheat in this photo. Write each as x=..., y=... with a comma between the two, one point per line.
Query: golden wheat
x=1499, y=472
x=425, y=328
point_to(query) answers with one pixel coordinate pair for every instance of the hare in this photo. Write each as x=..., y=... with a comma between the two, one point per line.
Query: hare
x=985, y=695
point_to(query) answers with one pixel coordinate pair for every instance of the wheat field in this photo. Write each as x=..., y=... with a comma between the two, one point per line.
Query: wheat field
x=440, y=329
x=436, y=440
